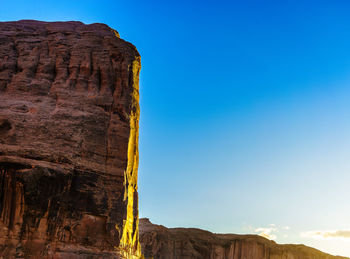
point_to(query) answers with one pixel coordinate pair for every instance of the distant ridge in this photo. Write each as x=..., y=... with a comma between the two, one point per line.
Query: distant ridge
x=159, y=242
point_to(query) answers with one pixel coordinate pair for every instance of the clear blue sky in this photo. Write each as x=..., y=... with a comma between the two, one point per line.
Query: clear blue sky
x=245, y=111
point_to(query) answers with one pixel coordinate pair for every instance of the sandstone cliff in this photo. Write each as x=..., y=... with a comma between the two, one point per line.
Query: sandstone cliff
x=68, y=141
x=159, y=242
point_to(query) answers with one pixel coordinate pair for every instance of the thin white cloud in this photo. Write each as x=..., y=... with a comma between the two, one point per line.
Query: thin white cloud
x=267, y=232
x=271, y=231
x=335, y=234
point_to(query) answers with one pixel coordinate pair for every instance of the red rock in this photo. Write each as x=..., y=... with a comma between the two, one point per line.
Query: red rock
x=159, y=242
x=68, y=141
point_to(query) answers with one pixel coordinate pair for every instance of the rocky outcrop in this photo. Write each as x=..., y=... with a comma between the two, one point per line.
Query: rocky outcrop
x=159, y=242
x=68, y=141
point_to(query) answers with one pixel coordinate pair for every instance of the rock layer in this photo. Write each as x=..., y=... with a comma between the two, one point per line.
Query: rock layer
x=159, y=242
x=68, y=141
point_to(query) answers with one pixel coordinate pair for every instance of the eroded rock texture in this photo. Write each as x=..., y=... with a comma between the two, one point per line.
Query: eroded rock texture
x=159, y=242
x=68, y=141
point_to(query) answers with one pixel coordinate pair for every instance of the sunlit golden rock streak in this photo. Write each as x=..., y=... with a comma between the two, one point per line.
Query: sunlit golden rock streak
x=129, y=244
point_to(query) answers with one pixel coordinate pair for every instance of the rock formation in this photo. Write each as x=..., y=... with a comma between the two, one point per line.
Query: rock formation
x=159, y=242
x=68, y=141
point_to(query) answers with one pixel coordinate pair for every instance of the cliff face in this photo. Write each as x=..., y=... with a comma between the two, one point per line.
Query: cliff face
x=68, y=141
x=159, y=242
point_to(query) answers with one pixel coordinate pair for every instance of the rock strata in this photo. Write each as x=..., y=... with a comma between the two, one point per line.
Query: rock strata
x=68, y=141
x=159, y=242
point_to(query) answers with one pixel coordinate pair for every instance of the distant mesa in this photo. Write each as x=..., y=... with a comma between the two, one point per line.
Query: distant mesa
x=159, y=242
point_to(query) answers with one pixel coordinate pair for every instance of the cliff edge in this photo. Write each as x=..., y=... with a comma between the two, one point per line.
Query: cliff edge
x=69, y=116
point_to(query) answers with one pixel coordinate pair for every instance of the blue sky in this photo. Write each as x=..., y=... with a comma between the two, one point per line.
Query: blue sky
x=245, y=112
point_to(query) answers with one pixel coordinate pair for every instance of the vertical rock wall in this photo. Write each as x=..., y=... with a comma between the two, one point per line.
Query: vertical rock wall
x=68, y=141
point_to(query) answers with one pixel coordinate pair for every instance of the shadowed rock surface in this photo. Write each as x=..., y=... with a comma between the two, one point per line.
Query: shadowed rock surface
x=68, y=141
x=159, y=242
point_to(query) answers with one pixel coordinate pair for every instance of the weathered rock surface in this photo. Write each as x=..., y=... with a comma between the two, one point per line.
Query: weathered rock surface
x=68, y=141
x=159, y=242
